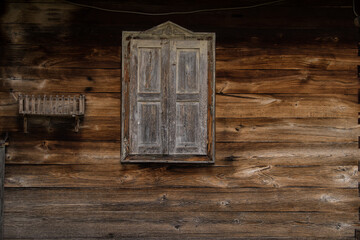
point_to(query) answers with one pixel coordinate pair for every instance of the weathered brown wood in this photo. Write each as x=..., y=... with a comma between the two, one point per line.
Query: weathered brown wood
x=102, y=224
x=97, y=104
x=287, y=130
x=49, y=80
x=189, y=80
x=62, y=152
x=64, y=56
x=178, y=200
x=245, y=57
x=267, y=176
x=228, y=130
x=288, y=154
x=147, y=85
x=92, y=128
x=289, y=58
x=286, y=106
x=105, y=35
x=307, y=81
x=168, y=78
x=229, y=154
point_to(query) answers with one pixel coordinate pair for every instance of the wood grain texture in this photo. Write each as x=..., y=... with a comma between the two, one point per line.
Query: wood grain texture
x=309, y=81
x=105, y=35
x=104, y=224
x=97, y=104
x=172, y=119
x=62, y=152
x=287, y=129
x=245, y=57
x=146, y=97
x=265, y=176
x=48, y=80
x=228, y=106
x=188, y=97
x=39, y=128
x=46, y=151
x=286, y=106
x=289, y=58
x=177, y=200
x=63, y=56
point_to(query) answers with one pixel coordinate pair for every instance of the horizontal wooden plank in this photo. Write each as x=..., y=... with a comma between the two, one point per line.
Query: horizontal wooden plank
x=105, y=224
x=96, y=104
x=228, y=105
x=37, y=79
x=106, y=35
x=287, y=154
x=151, y=176
x=59, y=56
x=62, y=152
x=286, y=106
x=50, y=80
x=39, y=128
x=287, y=81
x=286, y=58
x=287, y=130
x=66, y=56
x=311, y=130
x=182, y=200
x=46, y=151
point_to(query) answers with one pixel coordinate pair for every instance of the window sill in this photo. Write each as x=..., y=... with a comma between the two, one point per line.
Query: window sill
x=167, y=159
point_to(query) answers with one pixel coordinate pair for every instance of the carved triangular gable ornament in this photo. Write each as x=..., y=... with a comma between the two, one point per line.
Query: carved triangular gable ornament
x=168, y=29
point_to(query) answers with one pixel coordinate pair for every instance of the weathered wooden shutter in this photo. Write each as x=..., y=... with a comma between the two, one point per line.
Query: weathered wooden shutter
x=188, y=91
x=168, y=95
x=148, y=115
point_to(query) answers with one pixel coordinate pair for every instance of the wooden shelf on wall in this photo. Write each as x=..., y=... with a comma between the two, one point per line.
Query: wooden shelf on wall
x=51, y=107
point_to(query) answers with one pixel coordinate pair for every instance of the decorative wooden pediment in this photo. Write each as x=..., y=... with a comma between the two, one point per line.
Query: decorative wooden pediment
x=166, y=30
x=169, y=29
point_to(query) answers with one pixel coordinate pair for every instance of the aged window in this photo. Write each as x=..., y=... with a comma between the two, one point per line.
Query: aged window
x=168, y=97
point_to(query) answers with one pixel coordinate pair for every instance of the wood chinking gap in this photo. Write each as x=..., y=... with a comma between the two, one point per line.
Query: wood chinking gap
x=58, y=106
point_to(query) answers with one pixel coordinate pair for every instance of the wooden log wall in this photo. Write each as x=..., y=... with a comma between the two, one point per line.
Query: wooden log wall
x=286, y=128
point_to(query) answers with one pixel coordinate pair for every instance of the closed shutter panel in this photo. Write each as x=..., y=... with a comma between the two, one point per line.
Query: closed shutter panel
x=148, y=120
x=188, y=91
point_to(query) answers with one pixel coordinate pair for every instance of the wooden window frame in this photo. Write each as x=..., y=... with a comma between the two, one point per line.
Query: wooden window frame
x=167, y=31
